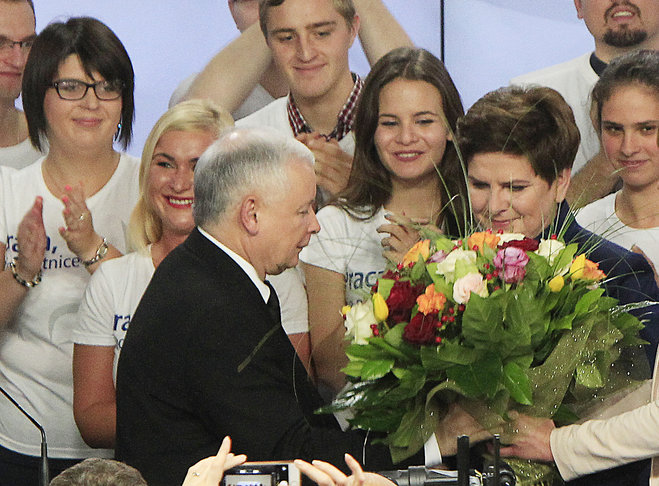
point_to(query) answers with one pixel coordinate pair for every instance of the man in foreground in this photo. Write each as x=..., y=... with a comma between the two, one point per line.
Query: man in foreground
x=206, y=355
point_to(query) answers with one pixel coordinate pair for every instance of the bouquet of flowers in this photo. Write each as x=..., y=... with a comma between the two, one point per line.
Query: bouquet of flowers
x=498, y=322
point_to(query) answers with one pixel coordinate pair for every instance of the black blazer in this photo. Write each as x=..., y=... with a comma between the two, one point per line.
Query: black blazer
x=203, y=359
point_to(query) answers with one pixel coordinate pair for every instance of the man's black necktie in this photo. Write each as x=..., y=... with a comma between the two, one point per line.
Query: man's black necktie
x=273, y=304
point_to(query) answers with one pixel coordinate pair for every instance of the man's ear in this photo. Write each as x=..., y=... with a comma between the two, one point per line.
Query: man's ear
x=579, y=6
x=356, y=22
x=562, y=184
x=248, y=215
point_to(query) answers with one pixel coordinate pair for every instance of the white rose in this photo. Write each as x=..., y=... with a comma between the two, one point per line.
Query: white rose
x=506, y=237
x=464, y=286
x=358, y=322
x=549, y=249
x=447, y=266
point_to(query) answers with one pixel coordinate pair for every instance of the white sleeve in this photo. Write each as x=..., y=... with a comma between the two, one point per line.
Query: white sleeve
x=597, y=445
x=332, y=247
x=292, y=295
x=96, y=315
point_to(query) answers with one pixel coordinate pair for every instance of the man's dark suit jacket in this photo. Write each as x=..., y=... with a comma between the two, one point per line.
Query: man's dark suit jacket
x=203, y=359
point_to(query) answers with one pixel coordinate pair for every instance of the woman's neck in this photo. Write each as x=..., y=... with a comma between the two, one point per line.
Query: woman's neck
x=91, y=168
x=416, y=201
x=161, y=248
x=638, y=208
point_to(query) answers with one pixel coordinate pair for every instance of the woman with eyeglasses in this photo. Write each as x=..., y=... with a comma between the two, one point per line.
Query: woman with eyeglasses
x=78, y=99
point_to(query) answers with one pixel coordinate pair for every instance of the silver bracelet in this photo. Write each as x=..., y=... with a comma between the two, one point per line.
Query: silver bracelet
x=25, y=283
x=101, y=251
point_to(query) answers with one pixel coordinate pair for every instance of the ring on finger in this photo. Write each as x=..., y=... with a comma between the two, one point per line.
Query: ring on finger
x=81, y=217
x=195, y=473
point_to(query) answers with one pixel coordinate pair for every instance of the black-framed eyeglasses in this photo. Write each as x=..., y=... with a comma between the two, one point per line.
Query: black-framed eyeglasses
x=74, y=89
x=8, y=44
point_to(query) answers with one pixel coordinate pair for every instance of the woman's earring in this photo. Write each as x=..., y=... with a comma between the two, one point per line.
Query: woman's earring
x=116, y=134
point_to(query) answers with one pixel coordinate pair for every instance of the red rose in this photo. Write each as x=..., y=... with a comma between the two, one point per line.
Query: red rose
x=527, y=244
x=401, y=300
x=421, y=329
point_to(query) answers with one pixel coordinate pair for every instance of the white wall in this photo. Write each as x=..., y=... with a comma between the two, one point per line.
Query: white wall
x=487, y=41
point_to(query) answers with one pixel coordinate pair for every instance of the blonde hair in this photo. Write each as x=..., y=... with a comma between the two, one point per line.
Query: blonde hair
x=145, y=226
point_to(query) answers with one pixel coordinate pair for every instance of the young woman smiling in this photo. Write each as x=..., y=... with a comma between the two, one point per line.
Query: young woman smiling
x=626, y=103
x=406, y=165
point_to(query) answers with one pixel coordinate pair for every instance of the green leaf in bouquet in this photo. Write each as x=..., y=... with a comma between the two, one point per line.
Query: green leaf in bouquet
x=588, y=375
x=437, y=358
x=381, y=420
x=357, y=395
x=374, y=369
x=526, y=323
x=354, y=368
x=416, y=427
x=524, y=360
x=562, y=323
x=441, y=285
x=384, y=287
x=411, y=381
x=393, y=351
x=587, y=301
x=479, y=379
x=564, y=257
x=537, y=268
x=464, y=267
x=419, y=269
x=394, y=336
x=482, y=320
x=517, y=383
x=370, y=351
x=445, y=244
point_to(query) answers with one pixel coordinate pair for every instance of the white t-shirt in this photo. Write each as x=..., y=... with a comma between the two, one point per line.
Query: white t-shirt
x=256, y=100
x=116, y=288
x=112, y=295
x=350, y=247
x=19, y=155
x=600, y=218
x=36, y=346
x=574, y=80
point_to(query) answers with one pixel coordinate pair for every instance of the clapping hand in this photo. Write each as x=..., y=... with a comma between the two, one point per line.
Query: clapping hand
x=333, y=164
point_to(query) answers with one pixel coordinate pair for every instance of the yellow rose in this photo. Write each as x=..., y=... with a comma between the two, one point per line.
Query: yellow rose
x=380, y=309
x=556, y=283
x=584, y=269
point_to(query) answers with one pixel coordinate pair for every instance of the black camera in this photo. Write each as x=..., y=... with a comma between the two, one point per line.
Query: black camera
x=262, y=474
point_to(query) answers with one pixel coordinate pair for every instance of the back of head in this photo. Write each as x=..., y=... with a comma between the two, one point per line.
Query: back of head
x=188, y=116
x=99, y=472
x=534, y=122
x=345, y=8
x=639, y=68
x=243, y=160
x=98, y=48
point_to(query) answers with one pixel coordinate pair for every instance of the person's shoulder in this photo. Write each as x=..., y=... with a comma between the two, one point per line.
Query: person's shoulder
x=597, y=211
x=545, y=75
x=271, y=114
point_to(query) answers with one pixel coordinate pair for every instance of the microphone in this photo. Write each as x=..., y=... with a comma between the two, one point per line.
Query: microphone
x=44, y=473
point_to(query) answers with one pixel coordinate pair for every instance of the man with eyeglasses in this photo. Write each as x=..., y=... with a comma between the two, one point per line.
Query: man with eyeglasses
x=17, y=33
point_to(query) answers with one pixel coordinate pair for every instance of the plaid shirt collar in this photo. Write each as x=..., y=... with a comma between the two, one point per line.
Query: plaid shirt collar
x=344, y=119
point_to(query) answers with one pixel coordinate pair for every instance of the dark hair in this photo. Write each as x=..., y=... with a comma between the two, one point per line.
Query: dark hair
x=99, y=50
x=534, y=122
x=99, y=472
x=369, y=186
x=344, y=7
x=634, y=68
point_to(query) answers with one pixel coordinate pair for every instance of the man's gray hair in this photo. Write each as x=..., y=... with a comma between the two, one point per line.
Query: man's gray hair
x=99, y=472
x=241, y=161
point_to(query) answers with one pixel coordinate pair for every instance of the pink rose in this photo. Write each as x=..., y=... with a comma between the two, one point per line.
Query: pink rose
x=511, y=262
x=463, y=287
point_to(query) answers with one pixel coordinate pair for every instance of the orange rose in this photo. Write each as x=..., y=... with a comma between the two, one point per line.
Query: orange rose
x=584, y=269
x=481, y=239
x=420, y=248
x=431, y=302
